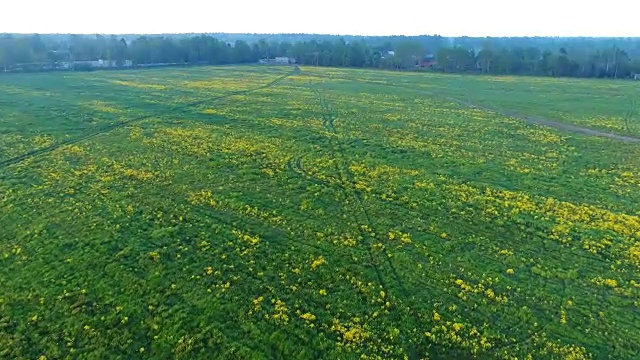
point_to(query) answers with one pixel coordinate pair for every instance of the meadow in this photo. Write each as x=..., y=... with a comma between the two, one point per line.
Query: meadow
x=256, y=213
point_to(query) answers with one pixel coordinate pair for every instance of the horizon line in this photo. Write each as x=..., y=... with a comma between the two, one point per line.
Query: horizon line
x=325, y=34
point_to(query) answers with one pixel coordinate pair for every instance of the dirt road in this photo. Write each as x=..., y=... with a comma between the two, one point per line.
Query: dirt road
x=546, y=122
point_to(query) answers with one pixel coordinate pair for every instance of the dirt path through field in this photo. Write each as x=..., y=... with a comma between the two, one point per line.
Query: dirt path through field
x=526, y=118
x=546, y=122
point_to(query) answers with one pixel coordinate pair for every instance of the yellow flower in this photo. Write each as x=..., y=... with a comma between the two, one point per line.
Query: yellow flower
x=308, y=317
x=436, y=316
x=606, y=282
x=510, y=271
x=318, y=262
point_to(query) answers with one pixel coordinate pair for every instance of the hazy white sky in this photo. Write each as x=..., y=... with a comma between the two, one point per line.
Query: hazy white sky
x=373, y=17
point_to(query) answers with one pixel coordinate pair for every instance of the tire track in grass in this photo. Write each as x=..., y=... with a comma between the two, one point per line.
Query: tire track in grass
x=274, y=237
x=342, y=178
x=295, y=165
x=105, y=129
x=345, y=176
x=501, y=344
x=469, y=104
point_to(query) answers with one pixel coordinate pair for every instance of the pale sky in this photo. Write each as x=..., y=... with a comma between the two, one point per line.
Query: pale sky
x=373, y=17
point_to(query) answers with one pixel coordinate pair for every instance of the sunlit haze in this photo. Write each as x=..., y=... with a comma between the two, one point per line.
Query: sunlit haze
x=448, y=18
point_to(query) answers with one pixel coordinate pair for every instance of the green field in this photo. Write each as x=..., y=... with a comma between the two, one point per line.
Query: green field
x=253, y=213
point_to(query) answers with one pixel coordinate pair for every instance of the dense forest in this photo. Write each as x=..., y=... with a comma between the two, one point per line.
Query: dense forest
x=568, y=57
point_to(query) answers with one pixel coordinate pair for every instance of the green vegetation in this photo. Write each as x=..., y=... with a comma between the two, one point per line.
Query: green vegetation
x=610, y=106
x=617, y=58
x=247, y=212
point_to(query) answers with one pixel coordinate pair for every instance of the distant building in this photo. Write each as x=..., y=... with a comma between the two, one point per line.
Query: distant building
x=99, y=64
x=428, y=61
x=387, y=54
x=105, y=63
x=285, y=60
x=278, y=61
x=82, y=63
x=427, y=64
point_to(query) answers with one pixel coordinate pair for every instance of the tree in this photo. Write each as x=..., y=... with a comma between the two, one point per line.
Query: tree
x=532, y=57
x=485, y=59
x=242, y=52
x=547, y=63
x=576, y=57
x=37, y=48
x=457, y=59
x=5, y=43
x=409, y=53
x=356, y=55
x=264, y=49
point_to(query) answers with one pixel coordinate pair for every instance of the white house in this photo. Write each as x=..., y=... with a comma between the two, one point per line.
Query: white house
x=104, y=63
x=285, y=60
x=278, y=61
x=386, y=54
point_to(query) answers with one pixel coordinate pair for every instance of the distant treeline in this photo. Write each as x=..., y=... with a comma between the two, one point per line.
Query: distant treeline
x=570, y=57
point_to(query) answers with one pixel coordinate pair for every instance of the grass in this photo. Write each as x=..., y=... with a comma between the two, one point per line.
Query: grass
x=197, y=213
x=607, y=105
